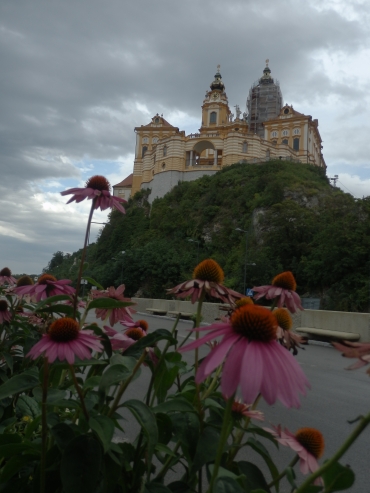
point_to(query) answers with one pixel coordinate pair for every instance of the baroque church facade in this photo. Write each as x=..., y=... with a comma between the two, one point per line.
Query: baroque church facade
x=165, y=155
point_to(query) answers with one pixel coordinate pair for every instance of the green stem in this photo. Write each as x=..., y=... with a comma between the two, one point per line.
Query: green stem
x=274, y=303
x=79, y=392
x=158, y=365
x=44, y=432
x=284, y=472
x=221, y=444
x=126, y=383
x=341, y=451
x=83, y=257
x=234, y=450
x=198, y=319
x=167, y=464
x=213, y=384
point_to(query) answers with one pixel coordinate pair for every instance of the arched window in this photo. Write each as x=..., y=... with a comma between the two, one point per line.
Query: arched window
x=274, y=133
x=285, y=132
x=145, y=148
x=165, y=151
x=245, y=147
x=145, y=140
x=296, y=131
x=296, y=144
x=213, y=117
x=163, y=165
x=268, y=153
x=285, y=141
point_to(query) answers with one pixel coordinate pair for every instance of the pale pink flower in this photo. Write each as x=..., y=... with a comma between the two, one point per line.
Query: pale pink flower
x=114, y=314
x=285, y=336
x=64, y=340
x=241, y=409
x=308, y=443
x=252, y=358
x=97, y=188
x=207, y=279
x=124, y=340
x=360, y=350
x=46, y=286
x=283, y=287
x=6, y=277
x=5, y=315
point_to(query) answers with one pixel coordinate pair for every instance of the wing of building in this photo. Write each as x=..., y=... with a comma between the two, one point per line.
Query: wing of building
x=165, y=155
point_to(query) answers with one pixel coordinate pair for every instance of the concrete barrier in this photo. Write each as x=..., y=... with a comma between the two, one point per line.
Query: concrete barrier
x=352, y=322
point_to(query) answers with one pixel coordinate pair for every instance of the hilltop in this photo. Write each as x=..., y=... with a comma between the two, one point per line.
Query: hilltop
x=294, y=218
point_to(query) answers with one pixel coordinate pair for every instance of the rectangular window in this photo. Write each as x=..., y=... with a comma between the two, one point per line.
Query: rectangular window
x=296, y=144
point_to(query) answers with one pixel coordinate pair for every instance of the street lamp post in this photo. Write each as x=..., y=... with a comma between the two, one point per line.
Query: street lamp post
x=195, y=241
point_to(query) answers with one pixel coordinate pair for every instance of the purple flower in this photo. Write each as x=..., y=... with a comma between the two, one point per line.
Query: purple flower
x=97, y=188
x=46, y=286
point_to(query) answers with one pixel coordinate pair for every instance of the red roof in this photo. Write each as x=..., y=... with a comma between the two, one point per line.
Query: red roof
x=127, y=182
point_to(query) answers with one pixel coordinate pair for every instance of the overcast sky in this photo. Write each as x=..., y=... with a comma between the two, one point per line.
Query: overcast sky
x=76, y=77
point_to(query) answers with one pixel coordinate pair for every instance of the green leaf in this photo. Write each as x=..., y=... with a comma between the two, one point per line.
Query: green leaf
x=81, y=464
x=62, y=434
x=149, y=341
x=10, y=438
x=164, y=424
x=17, y=448
x=226, y=485
x=50, y=301
x=91, y=383
x=186, y=428
x=104, y=428
x=156, y=488
x=14, y=465
x=108, y=303
x=146, y=418
x=262, y=451
x=27, y=406
x=67, y=310
x=93, y=282
x=338, y=478
x=18, y=383
x=178, y=404
x=128, y=361
x=113, y=375
x=165, y=375
x=206, y=448
x=53, y=395
x=254, y=477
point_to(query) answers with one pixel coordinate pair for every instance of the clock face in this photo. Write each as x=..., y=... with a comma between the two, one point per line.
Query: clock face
x=215, y=95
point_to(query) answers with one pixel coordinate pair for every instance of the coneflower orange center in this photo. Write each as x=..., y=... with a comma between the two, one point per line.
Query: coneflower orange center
x=285, y=280
x=312, y=440
x=5, y=272
x=64, y=330
x=244, y=301
x=98, y=182
x=24, y=281
x=134, y=333
x=3, y=306
x=46, y=277
x=143, y=324
x=209, y=270
x=254, y=322
x=283, y=318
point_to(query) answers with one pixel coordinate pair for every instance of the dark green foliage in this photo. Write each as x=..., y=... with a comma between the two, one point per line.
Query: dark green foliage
x=294, y=218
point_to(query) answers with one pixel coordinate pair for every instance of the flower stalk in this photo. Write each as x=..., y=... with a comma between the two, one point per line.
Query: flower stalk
x=79, y=392
x=44, y=432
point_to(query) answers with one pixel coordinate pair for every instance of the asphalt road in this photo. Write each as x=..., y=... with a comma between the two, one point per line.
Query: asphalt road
x=337, y=395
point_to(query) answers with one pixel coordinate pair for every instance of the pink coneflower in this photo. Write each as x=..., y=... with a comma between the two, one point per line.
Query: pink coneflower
x=46, y=286
x=142, y=324
x=239, y=410
x=283, y=287
x=308, y=443
x=64, y=340
x=253, y=358
x=6, y=277
x=5, y=315
x=114, y=314
x=207, y=278
x=285, y=336
x=124, y=340
x=360, y=350
x=97, y=188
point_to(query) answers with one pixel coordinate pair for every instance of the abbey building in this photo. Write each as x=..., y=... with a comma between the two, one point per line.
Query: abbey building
x=165, y=155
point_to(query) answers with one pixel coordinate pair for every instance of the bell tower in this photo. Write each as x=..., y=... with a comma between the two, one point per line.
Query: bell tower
x=215, y=108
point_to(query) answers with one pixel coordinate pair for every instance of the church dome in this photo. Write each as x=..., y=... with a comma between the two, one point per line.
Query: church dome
x=217, y=83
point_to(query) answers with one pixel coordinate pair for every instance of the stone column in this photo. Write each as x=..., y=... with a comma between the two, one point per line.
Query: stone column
x=215, y=158
x=191, y=158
